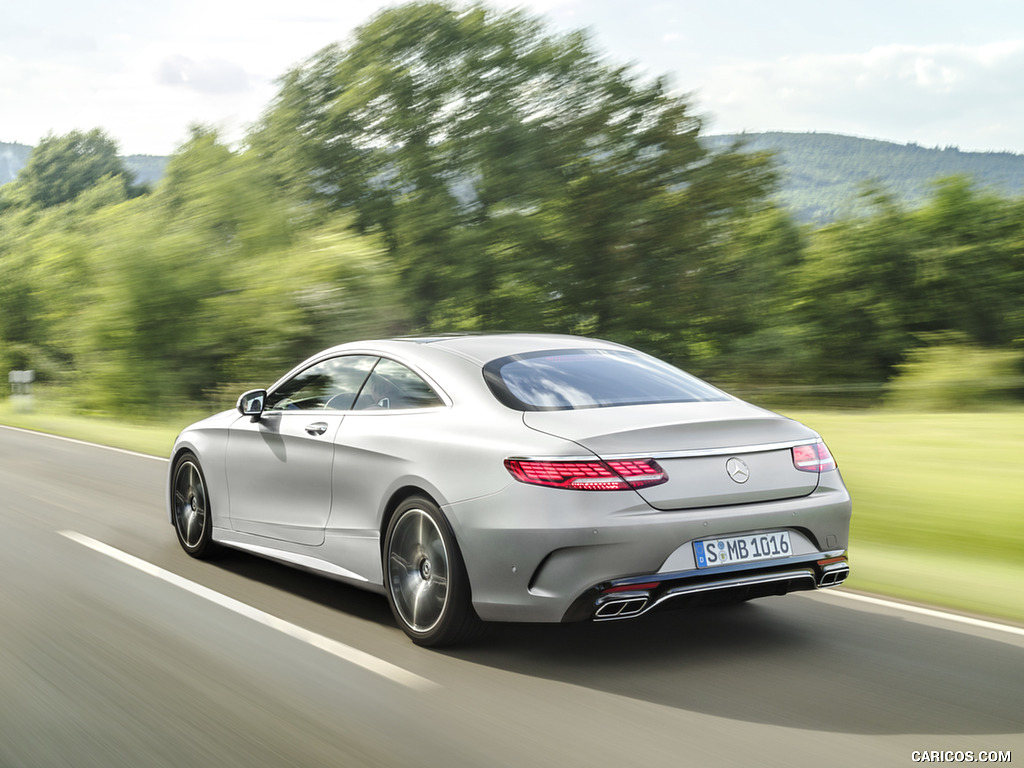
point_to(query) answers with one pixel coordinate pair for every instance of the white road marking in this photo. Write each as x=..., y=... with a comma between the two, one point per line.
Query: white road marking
x=348, y=653
x=924, y=611
x=84, y=442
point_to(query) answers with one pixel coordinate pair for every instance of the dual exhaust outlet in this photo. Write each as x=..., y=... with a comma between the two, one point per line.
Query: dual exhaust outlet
x=627, y=604
x=834, y=574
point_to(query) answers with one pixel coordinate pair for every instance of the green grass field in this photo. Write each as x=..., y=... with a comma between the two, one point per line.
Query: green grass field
x=938, y=504
x=938, y=512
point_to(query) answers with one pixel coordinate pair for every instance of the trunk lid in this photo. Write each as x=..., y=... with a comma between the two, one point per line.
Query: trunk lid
x=695, y=444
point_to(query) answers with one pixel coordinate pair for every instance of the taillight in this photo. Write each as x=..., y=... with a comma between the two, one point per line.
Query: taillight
x=813, y=457
x=610, y=475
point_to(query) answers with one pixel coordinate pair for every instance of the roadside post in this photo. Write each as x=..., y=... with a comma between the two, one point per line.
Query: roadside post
x=21, y=389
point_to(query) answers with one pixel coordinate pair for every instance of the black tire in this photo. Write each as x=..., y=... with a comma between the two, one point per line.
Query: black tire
x=190, y=508
x=425, y=577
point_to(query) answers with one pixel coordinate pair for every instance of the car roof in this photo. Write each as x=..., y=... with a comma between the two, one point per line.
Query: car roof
x=482, y=348
x=445, y=356
x=473, y=349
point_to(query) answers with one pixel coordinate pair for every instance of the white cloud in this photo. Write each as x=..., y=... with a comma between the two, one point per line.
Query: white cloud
x=205, y=75
x=145, y=71
x=887, y=90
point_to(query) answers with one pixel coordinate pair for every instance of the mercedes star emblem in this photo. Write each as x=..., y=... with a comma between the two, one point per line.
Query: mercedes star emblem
x=738, y=470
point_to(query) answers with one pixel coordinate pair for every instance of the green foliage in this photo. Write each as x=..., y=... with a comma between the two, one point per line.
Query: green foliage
x=61, y=168
x=136, y=304
x=746, y=309
x=518, y=180
x=952, y=375
x=461, y=169
x=971, y=263
x=145, y=170
x=858, y=293
x=870, y=286
x=821, y=175
x=227, y=282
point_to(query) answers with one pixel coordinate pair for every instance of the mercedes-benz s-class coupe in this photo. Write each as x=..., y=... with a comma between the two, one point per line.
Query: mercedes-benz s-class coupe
x=513, y=477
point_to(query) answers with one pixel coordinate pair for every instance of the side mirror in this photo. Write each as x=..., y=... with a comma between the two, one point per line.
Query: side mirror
x=251, y=403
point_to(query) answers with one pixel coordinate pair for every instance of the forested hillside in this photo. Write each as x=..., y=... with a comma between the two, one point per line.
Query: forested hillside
x=824, y=175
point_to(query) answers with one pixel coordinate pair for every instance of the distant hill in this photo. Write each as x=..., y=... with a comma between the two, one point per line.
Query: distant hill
x=147, y=169
x=823, y=173
x=12, y=159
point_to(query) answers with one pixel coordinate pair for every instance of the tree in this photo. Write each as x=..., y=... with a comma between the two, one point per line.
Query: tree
x=519, y=180
x=971, y=263
x=859, y=294
x=752, y=327
x=60, y=168
x=214, y=281
x=217, y=281
x=874, y=288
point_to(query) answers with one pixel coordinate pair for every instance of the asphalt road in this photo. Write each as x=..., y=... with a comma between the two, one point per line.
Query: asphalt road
x=242, y=662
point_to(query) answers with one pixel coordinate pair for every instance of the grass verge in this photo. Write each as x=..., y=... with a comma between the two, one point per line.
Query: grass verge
x=938, y=504
x=155, y=439
x=968, y=584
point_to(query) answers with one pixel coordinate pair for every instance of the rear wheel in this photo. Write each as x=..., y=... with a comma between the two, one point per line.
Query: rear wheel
x=427, y=586
x=190, y=508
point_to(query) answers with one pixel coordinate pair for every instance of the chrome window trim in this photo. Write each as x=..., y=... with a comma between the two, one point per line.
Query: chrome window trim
x=446, y=401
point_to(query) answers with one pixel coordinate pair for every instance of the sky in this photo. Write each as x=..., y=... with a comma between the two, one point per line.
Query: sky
x=930, y=72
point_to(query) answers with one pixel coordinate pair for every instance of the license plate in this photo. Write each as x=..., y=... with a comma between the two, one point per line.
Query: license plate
x=742, y=549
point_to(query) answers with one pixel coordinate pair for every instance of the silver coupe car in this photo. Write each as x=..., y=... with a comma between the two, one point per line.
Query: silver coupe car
x=513, y=477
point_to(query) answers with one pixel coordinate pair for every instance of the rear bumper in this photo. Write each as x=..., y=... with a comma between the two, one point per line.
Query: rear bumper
x=629, y=598
x=547, y=555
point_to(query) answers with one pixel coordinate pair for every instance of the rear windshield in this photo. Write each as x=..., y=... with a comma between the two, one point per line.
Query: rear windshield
x=591, y=378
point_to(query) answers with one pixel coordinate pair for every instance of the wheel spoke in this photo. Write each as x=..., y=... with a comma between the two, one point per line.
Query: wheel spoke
x=416, y=609
x=190, y=519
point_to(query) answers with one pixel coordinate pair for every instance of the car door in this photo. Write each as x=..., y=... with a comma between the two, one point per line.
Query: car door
x=390, y=434
x=279, y=467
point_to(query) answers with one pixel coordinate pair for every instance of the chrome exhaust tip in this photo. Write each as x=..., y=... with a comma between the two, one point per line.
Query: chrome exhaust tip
x=834, y=575
x=621, y=607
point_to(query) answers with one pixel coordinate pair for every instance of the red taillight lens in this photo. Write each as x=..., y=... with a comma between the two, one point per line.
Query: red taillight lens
x=813, y=457
x=611, y=475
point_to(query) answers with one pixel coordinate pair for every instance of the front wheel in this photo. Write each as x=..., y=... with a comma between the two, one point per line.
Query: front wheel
x=190, y=506
x=427, y=586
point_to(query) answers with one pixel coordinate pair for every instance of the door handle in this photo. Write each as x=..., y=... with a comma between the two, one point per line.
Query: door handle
x=316, y=428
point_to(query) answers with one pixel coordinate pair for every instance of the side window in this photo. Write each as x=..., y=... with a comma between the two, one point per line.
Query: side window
x=392, y=386
x=332, y=383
